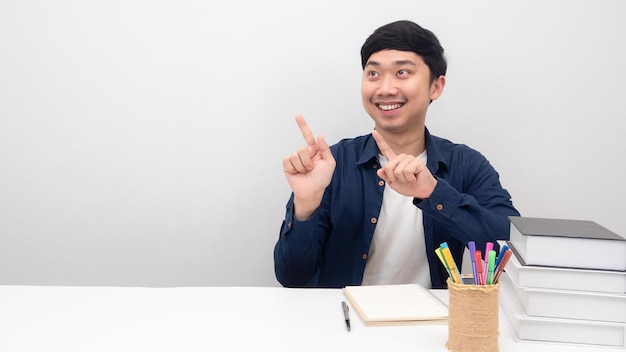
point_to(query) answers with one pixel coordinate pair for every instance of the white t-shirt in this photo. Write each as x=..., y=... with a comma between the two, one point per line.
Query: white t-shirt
x=398, y=251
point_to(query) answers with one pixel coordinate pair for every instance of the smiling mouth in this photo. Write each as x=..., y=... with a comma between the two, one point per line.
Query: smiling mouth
x=389, y=107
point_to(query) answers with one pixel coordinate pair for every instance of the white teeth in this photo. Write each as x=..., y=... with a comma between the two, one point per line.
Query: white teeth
x=389, y=107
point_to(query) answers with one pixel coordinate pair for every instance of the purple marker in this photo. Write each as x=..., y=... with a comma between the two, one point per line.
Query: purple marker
x=472, y=249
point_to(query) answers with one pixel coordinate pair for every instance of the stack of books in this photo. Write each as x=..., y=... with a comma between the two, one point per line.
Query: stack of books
x=566, y=282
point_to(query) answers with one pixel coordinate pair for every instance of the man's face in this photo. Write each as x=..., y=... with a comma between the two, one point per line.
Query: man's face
x=396, y=90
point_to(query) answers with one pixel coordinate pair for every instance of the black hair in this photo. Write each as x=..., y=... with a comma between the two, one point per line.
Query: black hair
x=407, y=36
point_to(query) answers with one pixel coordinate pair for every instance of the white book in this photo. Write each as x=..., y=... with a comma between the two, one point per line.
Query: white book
x=558, y=330
x=607, y=281
x=396, y=304
x=567, y=243
x=569, y=304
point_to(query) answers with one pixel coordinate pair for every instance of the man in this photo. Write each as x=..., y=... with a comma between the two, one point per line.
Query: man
x=373, y=209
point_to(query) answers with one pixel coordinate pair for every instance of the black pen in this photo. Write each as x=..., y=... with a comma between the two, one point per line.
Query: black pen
x=346, y=314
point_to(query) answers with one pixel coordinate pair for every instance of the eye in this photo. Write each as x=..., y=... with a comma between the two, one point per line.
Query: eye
x=402, y=73
x=372, y=74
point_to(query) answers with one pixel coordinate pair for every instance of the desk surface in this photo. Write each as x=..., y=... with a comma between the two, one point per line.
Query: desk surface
x=36, y=318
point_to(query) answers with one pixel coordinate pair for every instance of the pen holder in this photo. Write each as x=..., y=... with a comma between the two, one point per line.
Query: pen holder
x=473, y=317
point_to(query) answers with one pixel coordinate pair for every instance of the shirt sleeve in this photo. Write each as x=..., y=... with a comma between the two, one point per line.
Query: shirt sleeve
x=297, y=251
x=476, y=208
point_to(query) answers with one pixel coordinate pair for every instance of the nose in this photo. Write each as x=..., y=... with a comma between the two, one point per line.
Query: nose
x=387, y=86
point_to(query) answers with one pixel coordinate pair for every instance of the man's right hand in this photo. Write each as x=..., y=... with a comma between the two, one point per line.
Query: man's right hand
x=309, y=171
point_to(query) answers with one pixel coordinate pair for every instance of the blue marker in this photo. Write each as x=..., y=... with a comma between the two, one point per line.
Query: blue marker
x=472, y=249
x=501, y=255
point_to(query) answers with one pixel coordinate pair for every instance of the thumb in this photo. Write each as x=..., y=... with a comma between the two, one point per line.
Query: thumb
x=324, y=149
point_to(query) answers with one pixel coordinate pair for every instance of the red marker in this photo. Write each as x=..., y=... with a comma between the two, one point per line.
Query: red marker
x=502, y=264
x=479, y=267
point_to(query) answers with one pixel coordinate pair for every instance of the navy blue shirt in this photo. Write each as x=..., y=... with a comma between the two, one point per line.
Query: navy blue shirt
x=331, y=248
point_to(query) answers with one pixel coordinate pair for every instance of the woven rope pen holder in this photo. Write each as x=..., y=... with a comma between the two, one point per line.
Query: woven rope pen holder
x=473, y=318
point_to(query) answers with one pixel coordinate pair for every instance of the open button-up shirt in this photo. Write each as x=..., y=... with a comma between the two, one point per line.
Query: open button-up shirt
x=331, y=248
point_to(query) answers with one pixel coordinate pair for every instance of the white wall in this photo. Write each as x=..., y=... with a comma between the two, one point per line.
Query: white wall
x=141, y=141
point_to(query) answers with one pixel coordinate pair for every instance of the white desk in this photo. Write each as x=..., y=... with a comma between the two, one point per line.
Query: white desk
x=34, y=318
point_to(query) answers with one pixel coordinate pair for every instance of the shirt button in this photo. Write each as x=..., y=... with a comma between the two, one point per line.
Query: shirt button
x=364, y=256
x=439, y=206
x=374, y=220
x=381, y=183
x=375, y=166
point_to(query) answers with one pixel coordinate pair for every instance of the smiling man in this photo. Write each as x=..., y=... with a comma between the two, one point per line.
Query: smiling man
x=372, y=209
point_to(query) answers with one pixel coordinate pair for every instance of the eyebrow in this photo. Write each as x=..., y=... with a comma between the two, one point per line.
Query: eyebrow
x=395, y=63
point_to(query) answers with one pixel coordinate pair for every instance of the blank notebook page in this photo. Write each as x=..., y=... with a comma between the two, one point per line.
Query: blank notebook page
x=389, y=303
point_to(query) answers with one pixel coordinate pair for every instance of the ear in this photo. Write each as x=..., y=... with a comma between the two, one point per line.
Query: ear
x=436, y=88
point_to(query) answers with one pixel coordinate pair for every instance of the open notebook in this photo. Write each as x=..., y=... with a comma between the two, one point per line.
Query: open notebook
x=396, y=304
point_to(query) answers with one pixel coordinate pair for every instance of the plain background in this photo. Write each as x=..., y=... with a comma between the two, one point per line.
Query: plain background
x=141, y=141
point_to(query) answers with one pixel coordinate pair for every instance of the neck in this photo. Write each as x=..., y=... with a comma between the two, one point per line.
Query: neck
x=410, y=143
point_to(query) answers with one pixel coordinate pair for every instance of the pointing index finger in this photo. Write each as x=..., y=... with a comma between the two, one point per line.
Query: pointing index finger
x=384, y=148
x=309, y=138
